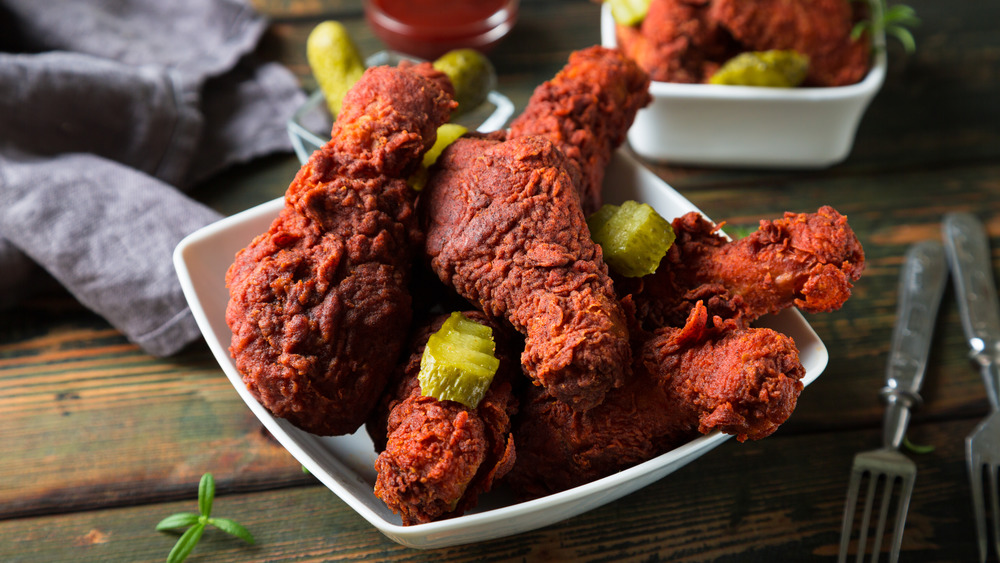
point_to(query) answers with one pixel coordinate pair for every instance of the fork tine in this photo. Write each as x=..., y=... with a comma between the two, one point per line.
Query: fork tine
x=903, y=507
x=888, y=483
x=995, y=509
x=978, y=506
x=850, y=507
x=866, y=516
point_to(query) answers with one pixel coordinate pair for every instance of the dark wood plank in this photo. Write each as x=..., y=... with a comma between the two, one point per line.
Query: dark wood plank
x=762, y=501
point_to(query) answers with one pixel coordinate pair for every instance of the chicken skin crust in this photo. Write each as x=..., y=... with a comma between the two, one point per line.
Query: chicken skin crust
x=586, y=110
x=686, y=381
x=688, y=40
x=804, y=260
x=437, y=457
x=505, y=229
x=319, y=305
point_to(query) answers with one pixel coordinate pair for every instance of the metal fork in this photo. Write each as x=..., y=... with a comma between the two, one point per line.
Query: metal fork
x=969, y=255
x=921, y=285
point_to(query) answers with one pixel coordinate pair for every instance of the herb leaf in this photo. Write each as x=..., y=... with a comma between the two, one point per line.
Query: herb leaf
x=179, y=520
x=186, y=543
x=232, y=527
x=197, y=522
x=206, y=493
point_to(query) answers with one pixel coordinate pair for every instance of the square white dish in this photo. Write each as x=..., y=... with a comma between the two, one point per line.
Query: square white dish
x=345, y=464
x=751, y=127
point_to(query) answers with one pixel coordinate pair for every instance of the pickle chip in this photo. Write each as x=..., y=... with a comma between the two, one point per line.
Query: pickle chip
x=629, y=12
x=633, y=237
x=458, y=363
x=774, y=69
x=334, y=60
x=472, y=75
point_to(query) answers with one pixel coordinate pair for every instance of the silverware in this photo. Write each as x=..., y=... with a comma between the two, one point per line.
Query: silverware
x=969, y=254
x=921, y=285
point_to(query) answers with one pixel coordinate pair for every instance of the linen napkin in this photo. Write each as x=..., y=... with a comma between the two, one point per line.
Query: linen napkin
x=108, y=110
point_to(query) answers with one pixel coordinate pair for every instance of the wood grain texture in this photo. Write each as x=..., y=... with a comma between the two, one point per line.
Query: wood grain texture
x=101, y=441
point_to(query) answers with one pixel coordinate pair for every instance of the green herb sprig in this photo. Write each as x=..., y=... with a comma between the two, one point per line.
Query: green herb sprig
x=196, y=523
x=895, y=21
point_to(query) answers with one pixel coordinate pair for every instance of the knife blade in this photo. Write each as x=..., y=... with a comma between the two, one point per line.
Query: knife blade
x=968, y=250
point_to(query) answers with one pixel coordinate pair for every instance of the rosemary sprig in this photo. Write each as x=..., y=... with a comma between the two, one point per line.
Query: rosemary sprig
x=196, y=523
x=895, y=21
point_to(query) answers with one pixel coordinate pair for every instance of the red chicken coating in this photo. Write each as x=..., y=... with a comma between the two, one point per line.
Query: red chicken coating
x=505, y=229
x=319, y=303
x=678, y=41
x=586, y=110
x=806, y=260
x=437, y=457
x=688, y=40
x=820, y=29
x=744, y=382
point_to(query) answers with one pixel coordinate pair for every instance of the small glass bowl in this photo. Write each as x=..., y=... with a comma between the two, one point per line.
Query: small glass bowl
x=439, y=34
x=309, y=127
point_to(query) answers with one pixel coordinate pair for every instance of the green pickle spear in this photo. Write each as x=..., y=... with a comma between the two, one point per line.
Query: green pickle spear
x=334, y=60
x=633, y=237
x=458, y=363
x=629, y=12
x=472, y=75
x=775, y=69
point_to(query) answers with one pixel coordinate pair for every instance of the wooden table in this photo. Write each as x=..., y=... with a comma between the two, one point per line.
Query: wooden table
x=100, y=441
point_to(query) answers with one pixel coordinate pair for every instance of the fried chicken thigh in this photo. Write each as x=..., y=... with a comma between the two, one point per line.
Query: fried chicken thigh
x=586, y=110
x=437, y=457
x=805, y=260
x=505, y=229
x=319, y=304
x=689, y=380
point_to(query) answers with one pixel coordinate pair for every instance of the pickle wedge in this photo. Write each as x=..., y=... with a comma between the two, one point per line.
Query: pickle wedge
x=334, y=60
x=633, y=237
x=458, y=363
x=472, y=75
x=774, y=69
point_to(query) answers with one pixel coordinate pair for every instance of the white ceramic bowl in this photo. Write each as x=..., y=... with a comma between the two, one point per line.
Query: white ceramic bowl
x=345, y=464
x=744, y=126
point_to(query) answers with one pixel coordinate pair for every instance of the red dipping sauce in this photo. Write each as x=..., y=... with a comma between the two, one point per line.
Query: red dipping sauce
x=429, y=28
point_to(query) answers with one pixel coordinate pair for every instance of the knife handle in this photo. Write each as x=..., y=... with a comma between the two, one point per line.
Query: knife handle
x=968, y=252
x=921, y=285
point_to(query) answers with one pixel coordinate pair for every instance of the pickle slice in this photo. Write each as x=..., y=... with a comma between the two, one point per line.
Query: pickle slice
x=334, y=60
x=633, y=237
x=774, y=69
x=458, y=362
x=629, y=12
x=447, y=134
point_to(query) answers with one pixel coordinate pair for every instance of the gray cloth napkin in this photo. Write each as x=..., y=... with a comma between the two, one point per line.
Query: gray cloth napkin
x=108, y=110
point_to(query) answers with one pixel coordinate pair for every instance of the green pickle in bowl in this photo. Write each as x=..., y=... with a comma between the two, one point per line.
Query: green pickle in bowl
x=774, y=69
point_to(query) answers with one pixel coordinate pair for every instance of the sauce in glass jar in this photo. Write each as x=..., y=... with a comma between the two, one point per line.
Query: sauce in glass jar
x=430, y=28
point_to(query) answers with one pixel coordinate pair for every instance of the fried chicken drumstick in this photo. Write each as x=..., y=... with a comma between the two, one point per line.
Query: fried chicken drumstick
x=505, y=230
x=586, y=110
x=745, y=382
x=319, y=304
x=805, y=260
x=437, y=457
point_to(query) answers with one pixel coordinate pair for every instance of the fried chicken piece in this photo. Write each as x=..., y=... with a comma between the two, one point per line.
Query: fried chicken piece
x=505, y=229
x=586, y=110
x=678, y=41
x=690, y=380
x=820, y=29
x=437, y=457
x=806, y=260
x=319, y=303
